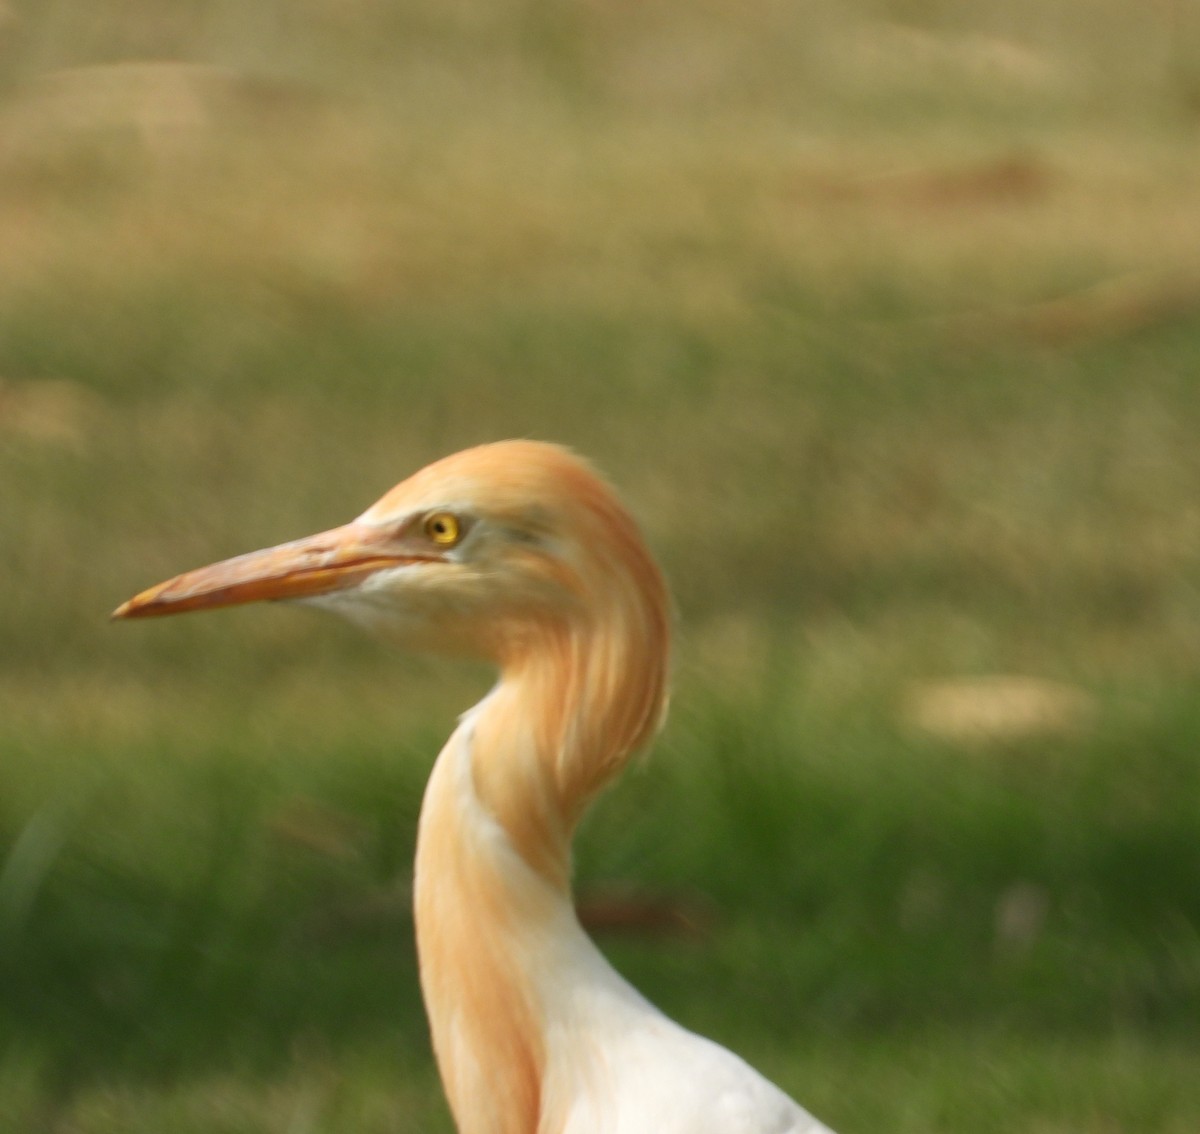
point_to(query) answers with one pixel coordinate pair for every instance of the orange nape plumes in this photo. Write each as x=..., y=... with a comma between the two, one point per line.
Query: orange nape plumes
x=517, y=552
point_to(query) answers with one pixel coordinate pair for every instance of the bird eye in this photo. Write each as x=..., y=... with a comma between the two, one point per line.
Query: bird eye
x=443, y=529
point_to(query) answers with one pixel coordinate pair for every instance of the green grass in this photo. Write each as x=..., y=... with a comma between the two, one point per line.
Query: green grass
x=201, y=929
x=814, y=290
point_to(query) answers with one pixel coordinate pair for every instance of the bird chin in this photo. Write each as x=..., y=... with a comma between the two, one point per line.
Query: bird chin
x=380, y=616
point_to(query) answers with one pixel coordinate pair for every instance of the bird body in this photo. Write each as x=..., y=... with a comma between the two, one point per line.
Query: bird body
x=519, y=553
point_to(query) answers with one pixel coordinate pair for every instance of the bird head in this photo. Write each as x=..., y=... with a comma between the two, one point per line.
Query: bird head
x=479, y=553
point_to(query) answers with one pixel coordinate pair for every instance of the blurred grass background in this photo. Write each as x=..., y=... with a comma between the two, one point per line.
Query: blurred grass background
x=886, y=322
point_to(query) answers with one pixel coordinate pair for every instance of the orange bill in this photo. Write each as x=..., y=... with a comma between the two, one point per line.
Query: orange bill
x=329, y=561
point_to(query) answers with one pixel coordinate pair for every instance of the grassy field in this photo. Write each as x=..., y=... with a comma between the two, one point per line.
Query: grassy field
x=886, y=323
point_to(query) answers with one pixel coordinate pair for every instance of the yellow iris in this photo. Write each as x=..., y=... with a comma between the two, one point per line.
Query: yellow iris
x=443, y=529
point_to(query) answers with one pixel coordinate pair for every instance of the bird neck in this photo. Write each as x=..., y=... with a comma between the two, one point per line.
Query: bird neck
x=494, y=914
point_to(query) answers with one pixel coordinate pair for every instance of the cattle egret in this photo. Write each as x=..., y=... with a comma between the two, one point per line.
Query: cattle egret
x=519, y=553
